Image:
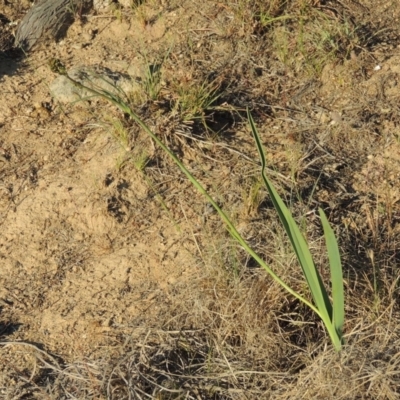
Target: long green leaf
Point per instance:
(335, 265)
(299, 244)
(301, 248)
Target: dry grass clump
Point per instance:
(222, 336)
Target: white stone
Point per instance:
(96, 78)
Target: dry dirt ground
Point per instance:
(116, 279)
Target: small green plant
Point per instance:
(152, 81)
(141, 160)
(193, 100)
(117, 11)
(266, 19)
(332, 314)
(309, 40)
(252, 197)
(120, 133)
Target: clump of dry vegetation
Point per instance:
(222, 328)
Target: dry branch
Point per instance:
(47, 18)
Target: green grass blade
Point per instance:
(335, 265)
(300, 246)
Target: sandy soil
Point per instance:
(91, 246)
(87, 243)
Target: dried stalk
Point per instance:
(47, 18)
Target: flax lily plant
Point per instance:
(332, 314)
